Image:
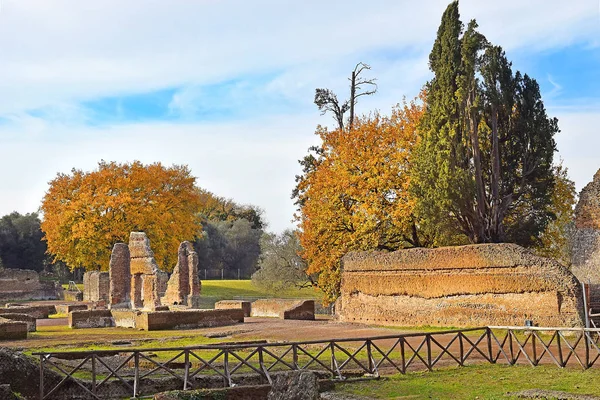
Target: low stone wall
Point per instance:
(39, 312)
(72, 295)
(28, 319)
(188, 319)
(284, 309)
(489, 284)
(12, 330)
(234, 305)
(67, 308)
(90, 319)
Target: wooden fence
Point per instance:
(96, 374)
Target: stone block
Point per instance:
(12, 330)
(28, 319)
(188, 319)
(40, 312)
(67, 308)
(91, 319)
(284, 309)
(297, 385)
(234, 304)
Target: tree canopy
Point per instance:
(484, 163)
(21, 244)
(357, 197)
(86, 213)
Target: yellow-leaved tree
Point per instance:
(86, 213)
(355, 194)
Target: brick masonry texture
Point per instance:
(120, 276)
(585, 246)
(90, 319)
(234, 304)
(96, 286)
(12, 330)
(22, 284)
(488, 284)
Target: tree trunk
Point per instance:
(352, 99)
(496, 231)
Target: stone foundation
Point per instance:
(40, 312)
(284, 309)
(12, 330)
(234, 305)
(477, 285)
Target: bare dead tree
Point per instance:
(326, 100)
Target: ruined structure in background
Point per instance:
(96, 285)
(183, 287)
(476, 285)
(24, 284)
(586, 236)
(134, 280)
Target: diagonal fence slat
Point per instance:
(370, 356)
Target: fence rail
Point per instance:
(92, 372)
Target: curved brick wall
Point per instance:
(487, 284)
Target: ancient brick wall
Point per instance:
(28, 319)
(96, 286)
(585, 242)
(489, 284)
(40, 312)
(284, 308)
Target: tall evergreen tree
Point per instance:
(484, 164)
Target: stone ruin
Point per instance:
(585, 242)
(134, 280)
(25, 284)
(475, 285)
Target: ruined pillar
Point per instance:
(585, 246)
(144, 270)
(193, 299)
(178, 285)
(120, 277)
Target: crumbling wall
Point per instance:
(187, 319)
(12, 330)
(235, 305)
(96, 286)
(585, 243)
(183, 287)
(145, 285)
(28, 319)
(90, 319)
(488, 284)
(119, 271)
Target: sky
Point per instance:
(227, 87)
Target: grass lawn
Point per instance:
(477, 382)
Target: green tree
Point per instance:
(21, 244)
(484, 163)
(280, 264)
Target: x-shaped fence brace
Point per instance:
(338, 357)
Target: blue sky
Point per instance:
(226, 87)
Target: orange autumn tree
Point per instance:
(86, 213)
(355, 195)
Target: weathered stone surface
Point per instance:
(491, 284)
(183, 287)
(22, 284)
(28, 319)
(39, 312)
(120, 276)
(295, 385)
(96, 286)
(67, 308)
(284, 309)
(142, 256)
(585, 243)
(234, 305)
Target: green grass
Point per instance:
(214, 290)
(476, 382)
